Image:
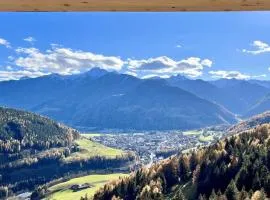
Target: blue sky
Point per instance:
(198, 45)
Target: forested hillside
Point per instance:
(35, 150)
(23, 130)
(252, 122)
(235, 168)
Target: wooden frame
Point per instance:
(134, 5)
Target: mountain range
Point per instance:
(238, 96)
(99, 99)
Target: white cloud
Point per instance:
(30, 39)
(260, 76)
(64, 60)
(207, 62)
(178, 46)
(233, 74)
(11, 58)
(228, 74)
(9, 68)
(259, 48)
(4, 43)
(164, 65)
(155, 75)
(15, 75)
(130, 73)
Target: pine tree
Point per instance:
(256, 184)
(202, 197)
(232, 191)
(213, 195)
(243, 194)
(179, 195)
(183, 169)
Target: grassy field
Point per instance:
(206, 138)
(192, 132)
(90, 149)
(62, 191)
(90, 135)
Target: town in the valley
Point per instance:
(152, 146)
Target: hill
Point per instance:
(28, 130)
(250, 123)
(35, 150)
(107, 100)
(234, 168)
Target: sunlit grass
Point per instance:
(206, 138)
(62, 191)
(192, 132)
(89, 149)
(90, 135)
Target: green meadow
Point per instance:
(192, 132)
(90, 135)
(62, 191)
(88, 149)
(206, 138)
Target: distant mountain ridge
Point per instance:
(238, 96)
(98, 99)
(261, 105)
(108, 100)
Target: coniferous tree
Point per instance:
(179, 195)
(232, 191)
(213, 195)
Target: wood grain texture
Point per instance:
(134, 5)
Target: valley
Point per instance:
(153, 146)
(241, 161)
(135, 106)
(119, 124)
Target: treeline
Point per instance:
(235, 168)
